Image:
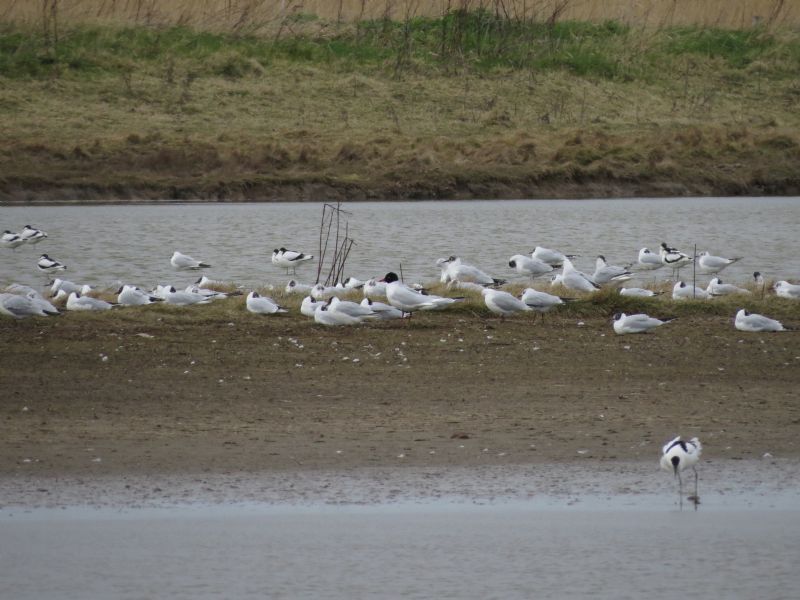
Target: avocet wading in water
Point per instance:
(679, 455)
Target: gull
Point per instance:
(454, 268)
(639, 323)
(309, 306)
(502, 303)
(557, 279)
(759, 282)
(573, 279)
(674, 258)
(551, 257)
(681, 291)
(679, 455)
(606, 273)
(34, 296)
(352, 283)
(205, 282)
(183, 261)
(130, 295)
(638, 292)
(374, 289)
(289, 259)
(321, 292)
(183, 298)
(532, 267)
(295, 287)
(747, 321)
(717, 288)
(11, 239)
(541, 302)
(708, 263)
(470, 286)
(19, 307)
(210, 294)
(383, 311)
(648, 260)
(22, 290)
(784, 289)
(352, 309)
(67, 286)
(77, 302)
(48, 265)
(407, 300)
(262, 305)
(325, 316)
(32, 235)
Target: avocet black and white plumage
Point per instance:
(717, 288)
(11, 240)
(502, 303)
(752, 322)
(576, 280)
(784, 289)
(649, 260)
(529, 266)
(184, 261)
(49, 265)
(32, 235)
(289, 259)
(708, 263)
(638, 323)
(674, 258)
(679, 455)
(606, 273)
(262, 305)
(551, 257)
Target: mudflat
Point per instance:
(160, 390)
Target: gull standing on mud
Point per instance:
(708, 263)
(752, 322)
(502, 303)
(183, 261)
(541, 302)
(679, 455)
(639, 323)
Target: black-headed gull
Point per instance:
(573, 279)
(639, 323)
(541, 302)
(717, 288)
(68, 287)
(674, 258)
(784, 289)
(551, 257)
(309, 306)
(295, 287)
(11, 239)
(683, 291)
(183, 261)
(321, 292)
(649, 260)
(374, 289)
(747, 321)
(638, 292)
(353, 309)
(383, 311)
(262, 305)
(324, 315)
(454, 269)
(708, 263)
(531, 267)
(502, 303)
(77, 302)
(18, 307)
(205, 282)
(49, 265)
(130, 295)
(32, 235)
(606, 273)
(289, 259)
(184, 298)
(404, 298)
(353, 283)
(677, 456)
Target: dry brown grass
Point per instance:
(255, 15)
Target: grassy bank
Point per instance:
(466, 105)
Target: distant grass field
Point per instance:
(469, 104)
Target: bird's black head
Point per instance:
(617, 316)
(757, 274)
(664, 245)
(746, 313)
(255, 295)
(451, 258)
(390, 277)
(275, 251)
(600, 256)
(719, 280)
(675, 460)
(512, 264)
(171, 290)
(283, 249)
(119, 291)
(683, 285)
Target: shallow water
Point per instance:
(103, 245)
(406, 551)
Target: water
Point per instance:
(405, 551)
(103, 245)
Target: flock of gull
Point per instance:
(390, 298)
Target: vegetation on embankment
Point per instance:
(470, 104)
